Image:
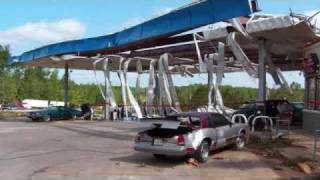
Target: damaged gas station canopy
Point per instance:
(288, 37)
(150, 34)
(208, 36)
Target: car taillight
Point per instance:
(181, 140)
(190, 150)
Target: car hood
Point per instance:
(43, 112)
(244, 110)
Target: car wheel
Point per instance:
(202, 153)
(34, 120)
(47, 119)
(160, 156)
(241, 141)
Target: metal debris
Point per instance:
(305, 168)
(193, 162)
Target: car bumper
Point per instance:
(167, 149)
(35, 116)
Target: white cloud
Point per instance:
(40, 33)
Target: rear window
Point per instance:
(298, 105)
(217, 120)
(193, 120)
(53, 108)
(247, 106)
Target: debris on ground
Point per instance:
(305, 168)
(296, 153)
(218, 158)
(142, 165)
(287, 153)
(193, 162)
(277, 168)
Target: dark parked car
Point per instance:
(11, 106)
(251, 109)
(86, 111)
(55, 113)
(297, 112)
(272, 108)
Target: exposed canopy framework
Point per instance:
(114, 53)
(186, 41)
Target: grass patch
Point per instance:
(10, 114)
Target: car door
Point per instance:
(65, 113)
(224, 130)
(53, 112)
(211, 130)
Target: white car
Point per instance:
(191, 134)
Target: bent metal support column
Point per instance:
(66, 85)
(262, 95)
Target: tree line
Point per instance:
(17, 83)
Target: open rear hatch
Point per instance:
(173, 126)
(167, 133)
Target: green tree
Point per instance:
(54, 87)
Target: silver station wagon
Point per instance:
(191, 134)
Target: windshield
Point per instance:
(193, 120)
(247, 106)
(52, 108)
(298, 105)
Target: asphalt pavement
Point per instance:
(104, 150)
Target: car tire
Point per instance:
(241, 141)
(160, 156)
(34, 120)
(203, 151)
(47, 119)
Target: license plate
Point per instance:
(157, 142)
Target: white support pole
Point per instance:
(66, 85)
(262, 73)
(107, 102)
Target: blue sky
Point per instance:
(32, 23)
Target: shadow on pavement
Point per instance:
(14, 157)
(96, 133)
(141, 159)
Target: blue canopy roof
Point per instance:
(190, 17)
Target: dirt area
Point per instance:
(285, 156)
(103, 150)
